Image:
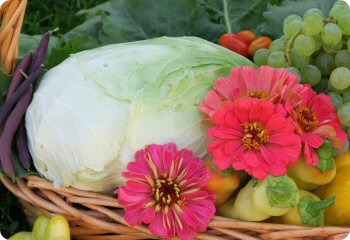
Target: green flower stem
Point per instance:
(227, 20)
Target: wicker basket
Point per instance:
(97, 216)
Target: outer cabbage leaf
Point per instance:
(92, 112)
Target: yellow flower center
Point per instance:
(307, 119)
(261, 94)
(166, 192)
(255, 134)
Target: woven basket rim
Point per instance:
(97, 216)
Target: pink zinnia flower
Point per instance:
(316, 119)
(275, 85)
(166, 189)
(253, 135)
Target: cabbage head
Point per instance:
(92, 112)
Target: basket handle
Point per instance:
(11, 15)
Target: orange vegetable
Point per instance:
(230, 41)
(247, 36)
(260, 42)
(222, 183)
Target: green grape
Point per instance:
(312, 25)
(344, 24)
(312, 60)
(331, 34)
(333, 48)
(298, 61)
(340, 78)
(295, 71)
(333, 89)
(284, 38)
(346, 95)
(304, 45)
(321, 86)
(277, 45)
(260, 56)
(338, 10)
(313, 11)
(344, 114)
(326, 63)
(277, 59)
(337, 99)
(292, 25)
(311, 75)
(318, 42)
(342, 58)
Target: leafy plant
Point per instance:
(117, 21)
(12, 218)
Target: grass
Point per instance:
(40, 17)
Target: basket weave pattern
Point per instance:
(94, 216)
(97, 216)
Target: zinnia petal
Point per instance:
(172, 184)
(276, 85)
(311, 156)
(157, 226)
(324, 123)
(269, 143)
(314, 141)
(252, 158)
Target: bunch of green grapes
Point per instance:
(316, 48)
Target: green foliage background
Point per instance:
(85, 24)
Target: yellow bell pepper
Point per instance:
(342, 160)
(339, 213)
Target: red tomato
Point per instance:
(260, 42)
(246, 35)
(230, 41)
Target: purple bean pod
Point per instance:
(41, 52)
(21, 90)
(9, 130)
(13, 111)
(22, 146)
(21, 135)
(18, 77)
